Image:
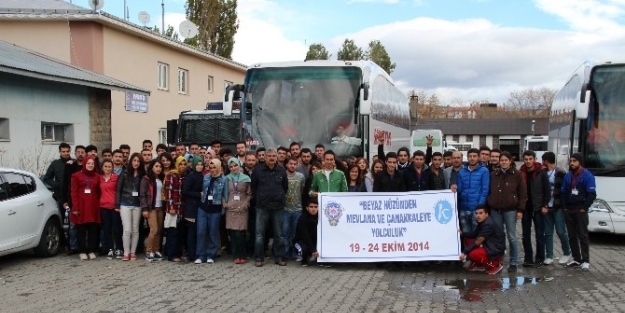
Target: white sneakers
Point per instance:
(210, 261)
(92, 256)
(83, 257)
(198, 261)
(564, 259)
(585, 266)
(548, 261)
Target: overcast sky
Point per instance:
(466, 49)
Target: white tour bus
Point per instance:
(588, 116)
(343, 105)
(538, 144)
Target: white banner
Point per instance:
(380, 227)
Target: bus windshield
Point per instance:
(605, 144)
(308, 105)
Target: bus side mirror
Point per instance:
(229, 97)
(581, 108)
(365, 100)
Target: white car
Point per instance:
(29, 217)
(604, 217)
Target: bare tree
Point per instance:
(530, 102)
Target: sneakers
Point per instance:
(133, 257)
(158, 256)
(573, 264)
(585, 266)
(467, 263)
(528, 264)
(548, 261)
(210, 261)
(126, 257)
(119, 254)
(495, 270)
(198, 261)
(281, 262)
(564, 259)
(475, 268)
(92, 256)
(297, 247)
(110, 255)
(258, 263)
(83, 256)
(512, 269)
(149, 256)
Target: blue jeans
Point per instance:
(533, 217)
(262, 219)
(508, 219)
(207, 223)
(556, 218)
(172, 244)
(111, 229)
(73, 237)
(289, 227)
(468, 223)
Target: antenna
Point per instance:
(96, 4)
(163, 16)
(187, 29)
(144, 17)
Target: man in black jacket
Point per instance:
(538, 197)
(391, 179)
(71, 167)
(55, 174)
(306, 233)
(486, 245)
(269, 187)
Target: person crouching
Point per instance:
(486, 245)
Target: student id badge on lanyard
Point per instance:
(88, 187)
(236, 196)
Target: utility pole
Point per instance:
(163, 17)
(125, 11)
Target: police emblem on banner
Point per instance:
(333, 211)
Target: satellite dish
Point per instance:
(96, 4)
(144, 17)
(187, 29)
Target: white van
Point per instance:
(419, 141)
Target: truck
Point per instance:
(204, 126)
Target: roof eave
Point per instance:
(110, 20)
(66, 80)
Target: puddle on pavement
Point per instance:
(474, 289)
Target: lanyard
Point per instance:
(235, 183)
(88, 180)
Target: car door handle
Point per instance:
(39, 203)
(12, 212)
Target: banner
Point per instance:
(383, 227)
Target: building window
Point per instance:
(4, 129)
(56, 132)
(227, 84)
(210, 84)
(183, 81)
(163, 76)
(162, 135)
(456, 138)
(469, 138)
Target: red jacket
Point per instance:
(87, 204)
(107, 191)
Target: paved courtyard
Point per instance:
(66, 284)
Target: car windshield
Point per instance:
(309, 105)
(605, 146)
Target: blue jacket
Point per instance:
(473, 187)
(220, 192)
(586, 191)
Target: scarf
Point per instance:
(238, 176)
(84, 166)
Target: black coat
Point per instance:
(306, 231)
(495, 240)
(269, 186)
(416, 182)
(192, 190)
(54, 176)
(384, 183)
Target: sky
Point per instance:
(460, 50)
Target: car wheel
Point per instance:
(50, 239)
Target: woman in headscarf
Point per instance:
(85, 212)
(192, 192)
(236, 206)
(174, 207)
(209, 214)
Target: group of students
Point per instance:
(207, 200)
